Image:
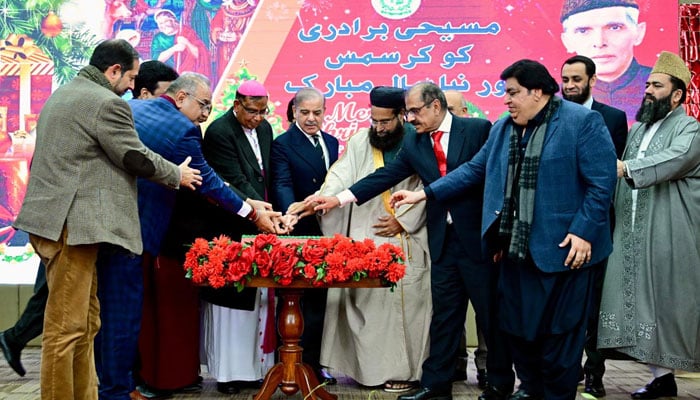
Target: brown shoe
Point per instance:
(136, 395)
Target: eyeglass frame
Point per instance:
(383, 123)
(254, 112)
(203, 105)
(416, 110)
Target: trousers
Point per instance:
(71, 319)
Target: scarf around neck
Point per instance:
(516, 217)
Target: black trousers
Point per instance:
(546, 316)
(455, 279)
(31, 322)
(595, 361)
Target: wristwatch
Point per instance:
(625, 171)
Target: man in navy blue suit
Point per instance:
(578, 77)
(549, 171)
(299, 161)
(459, 272)
(168, 125)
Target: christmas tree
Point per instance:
(36, 19)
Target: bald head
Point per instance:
(456, 103)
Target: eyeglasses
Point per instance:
(205, 106)
(416, 110)
(254, 112)
(383, 123)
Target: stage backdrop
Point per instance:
(343, 48)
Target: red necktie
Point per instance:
(439, 152)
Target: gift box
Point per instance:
(26, 76)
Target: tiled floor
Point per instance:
(621, 378)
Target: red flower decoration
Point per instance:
(318, 261)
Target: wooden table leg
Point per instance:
(290, 374)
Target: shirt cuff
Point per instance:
(244, 210)
(346, 197)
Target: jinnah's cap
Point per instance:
(571, 7)
(671, 64)
(387, 97)
(252, 88)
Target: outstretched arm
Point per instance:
(402, 197)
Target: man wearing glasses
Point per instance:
(459, 272)
(169, 125)
(239, 341)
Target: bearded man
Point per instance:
(361, 323)
(652, 275)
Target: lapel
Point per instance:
(242, 141)
(552, 125)
(457, 138)
(264, 132)
(426, 156)
(306, 151)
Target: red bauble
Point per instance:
(51, 26)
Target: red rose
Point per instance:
(263, 240)
(263, 261)
(313, 254)
(310, 271)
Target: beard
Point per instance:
(654, 110)
(388, 140)
(581, 97)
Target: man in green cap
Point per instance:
(649, 304)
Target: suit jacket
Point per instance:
(166, 130)
(575, 182)
(228, 151)
(616, 121)
(297, 172)
(83, 174)
(417, 157)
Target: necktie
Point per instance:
(317, 145)
(439, 152)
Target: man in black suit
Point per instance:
(299, 161)
(578, 79)
(459, 271)
(578, 75)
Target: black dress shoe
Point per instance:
(494, 393)
(325, 377)
(481, 378)
(227, 387)
(12, 355)
(663, 386)
(523, 395)
(249, 384)
(425, 393)
(594, 385)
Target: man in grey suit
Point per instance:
(82, 192)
